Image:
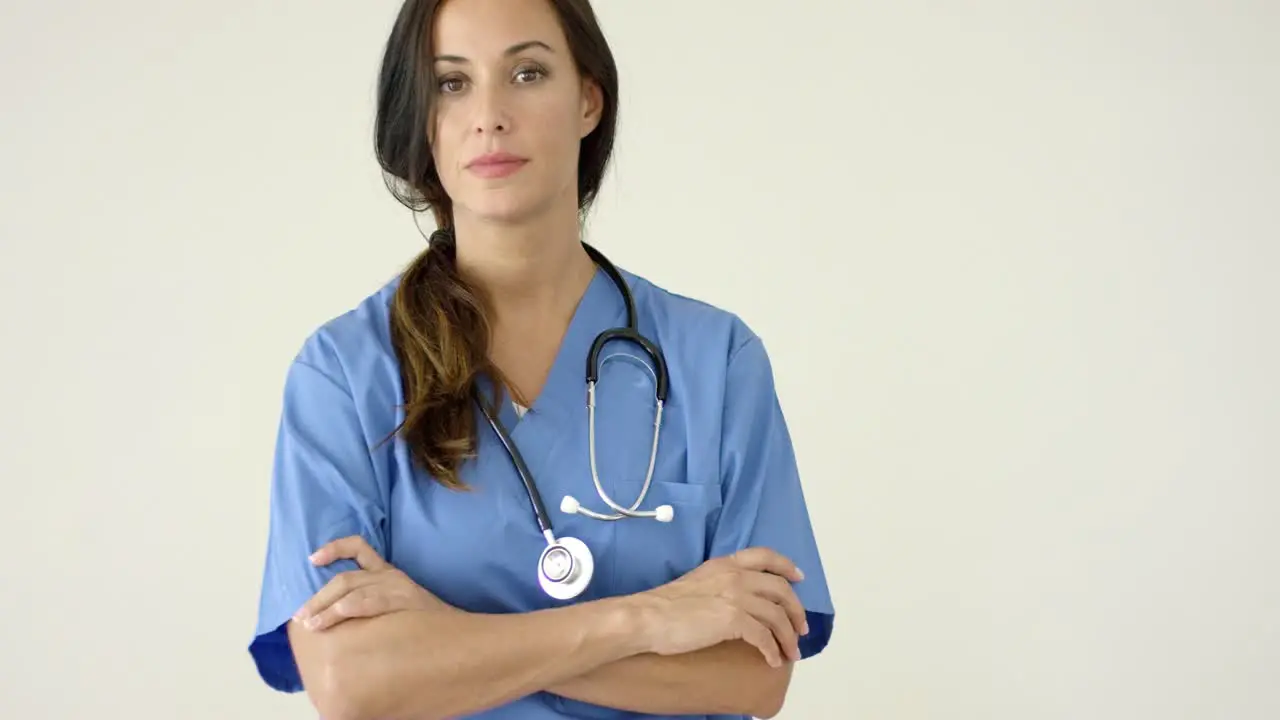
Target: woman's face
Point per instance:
(510, 109)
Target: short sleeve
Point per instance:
(764, 503)
(323, 487)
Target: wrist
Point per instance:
(638, 619)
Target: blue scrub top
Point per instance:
(725, 464)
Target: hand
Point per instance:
(745, 596)
(377, 588)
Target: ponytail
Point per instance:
(440, 332)
(439, 323)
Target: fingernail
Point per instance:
(313, 621)
(799, 574)
(804, 629)
(315, 557)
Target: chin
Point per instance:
(507, 206)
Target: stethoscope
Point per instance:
(565, 565)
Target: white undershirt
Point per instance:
(520, 409)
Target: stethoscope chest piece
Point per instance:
(565, 568)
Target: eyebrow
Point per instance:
(513, 50)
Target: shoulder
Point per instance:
(698, 325)
(354, 348)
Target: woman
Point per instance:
(407, 572)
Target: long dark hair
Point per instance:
(439, 322)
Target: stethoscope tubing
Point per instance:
(526, 477)
(628, 333)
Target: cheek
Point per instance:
(557, 128)
(446, 144)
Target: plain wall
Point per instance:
(1016, 265)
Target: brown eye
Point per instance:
(450, 85)
(529, 74)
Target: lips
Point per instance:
(496, 165)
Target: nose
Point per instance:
(492, 114)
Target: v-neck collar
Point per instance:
(565, 390)
(559, 412)
(600, 308)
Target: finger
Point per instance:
(368, 601)
(779, 591)
(754, 633)
(763, 559)
(334, 590)
(352, 547)
(775, 618)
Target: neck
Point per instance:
(534, 268)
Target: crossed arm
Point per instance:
(445, 663)
(730, 678)
(407, 654)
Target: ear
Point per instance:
(592, 107)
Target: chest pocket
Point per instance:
(643, 552)
(647, 553)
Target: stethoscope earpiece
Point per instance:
(663, 513)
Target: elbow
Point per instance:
(338, 688)
(347, 687)
(767, 709)
(334, 691)
(340, 694)
(332, 708)
(768, 706)
(772, 694)
(349, 672)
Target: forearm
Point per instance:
(730, 678)
(435, 664)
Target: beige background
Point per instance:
(1016, 264)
